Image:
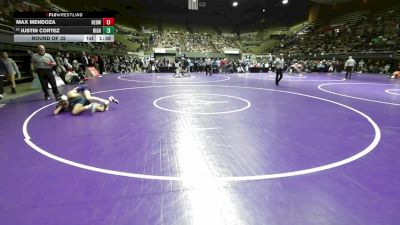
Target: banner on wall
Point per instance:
(232, 51)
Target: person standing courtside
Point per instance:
(279, 65)
(3, 72)
(12, 69)
(349, 65)
(43, 63)
(208, 66)
(84, 62)
(60, 68)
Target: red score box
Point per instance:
(108, 21)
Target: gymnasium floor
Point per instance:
(227, 149)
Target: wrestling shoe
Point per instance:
(112, 99)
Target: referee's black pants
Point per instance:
(349, 71)
(46, 76)
(208, 70)
(279, 76)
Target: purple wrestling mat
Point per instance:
(226, 149)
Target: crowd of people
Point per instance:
(224, 41)
(194, 42)
(166, 40)
(197, 42)
(335, 65)
(369, 34)
(10, 6)
(72, 68)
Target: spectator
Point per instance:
(3, 72)
(67, 65)
(84, 62)
(100, 61)
(60, 69)
(12, 70)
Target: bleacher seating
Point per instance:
(350, 18)
(360, 31)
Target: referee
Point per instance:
(349, 65)
(279, 65)
(43, 63)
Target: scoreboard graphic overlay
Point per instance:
(64, 27)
